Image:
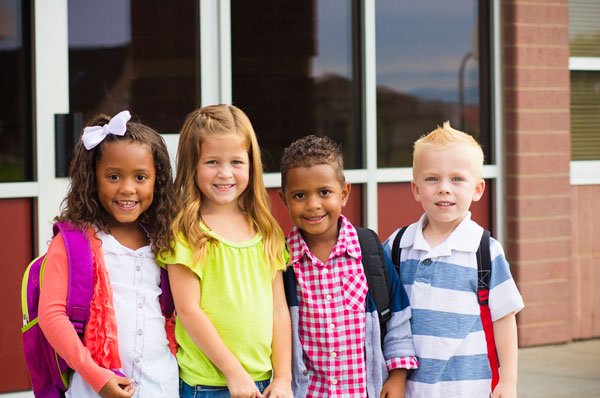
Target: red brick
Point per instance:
(537, 163)
(536, 56)
(558, 184)
(542, 120)
(532, 77)
(583, 274)
(543, 270)
(550, 311)
(538, 206)
(516, 142)
(519, 228)
(543, 13)
(536, 99)
(538, 250)
(532, 35)
(583, 236)
(531, 335)
(596, 297)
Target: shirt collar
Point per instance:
(465, 237)
(347, 242)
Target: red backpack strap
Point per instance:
(81, 274)
(484, 272)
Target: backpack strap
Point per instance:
(484, 272)
(166, 298)
(376, 272)
(81, 274)
(396, 249)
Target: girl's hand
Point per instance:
(279, 388)
(117, 387)
(242, 386)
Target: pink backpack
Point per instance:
(49, 372)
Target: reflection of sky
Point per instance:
(420, 45)
(10, 24)
(99, 23)
(334, 33)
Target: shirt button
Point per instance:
(331, 326)
(139, 332)
(140, 305)
(427, 261)
(137, 359)
(328, 297)
(325, 270)
(305, 373)
(333, 354)
(334, 381)
(137, 268)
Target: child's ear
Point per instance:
(282, 196)
(345, 193)
(415, 190)
(479, 189)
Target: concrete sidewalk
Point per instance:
(552, 371)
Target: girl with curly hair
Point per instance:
(233, 325)
(120, 196)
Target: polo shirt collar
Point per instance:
(465, 237)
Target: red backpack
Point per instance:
(49, 372)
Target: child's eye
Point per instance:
(325, 192)
(298, 196)
(431, 179)
(211, 162)
(113, 177)
(140, 177)
(457, 179)
(237, 162)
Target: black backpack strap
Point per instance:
(484, 268)
(376, 273)
(396, 249)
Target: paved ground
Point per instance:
(553, 371)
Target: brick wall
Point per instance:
(586, 261)
(537, 122)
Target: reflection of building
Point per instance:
(261, 56)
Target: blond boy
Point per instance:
(438, 268)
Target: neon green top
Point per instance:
(237, 296)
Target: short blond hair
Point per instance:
(448, 137)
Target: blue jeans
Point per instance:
(187, 391)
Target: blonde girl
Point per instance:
(233, 326)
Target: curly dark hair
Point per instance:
(82, 206)
(310, 151)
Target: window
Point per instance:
(296, 71)
(433, 65)
(16, 139)
(584, 63)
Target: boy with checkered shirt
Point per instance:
(438, 268)
(336, 344)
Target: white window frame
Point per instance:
(584, 172)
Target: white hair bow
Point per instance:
(93, 135)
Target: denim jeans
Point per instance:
(187, 391)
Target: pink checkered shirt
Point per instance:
(331, 325)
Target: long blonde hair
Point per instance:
(200, 125)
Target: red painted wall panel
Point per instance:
(16, 246)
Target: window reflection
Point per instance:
(432, 66)
(295, 72)
(136, 55)
(16, 139)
